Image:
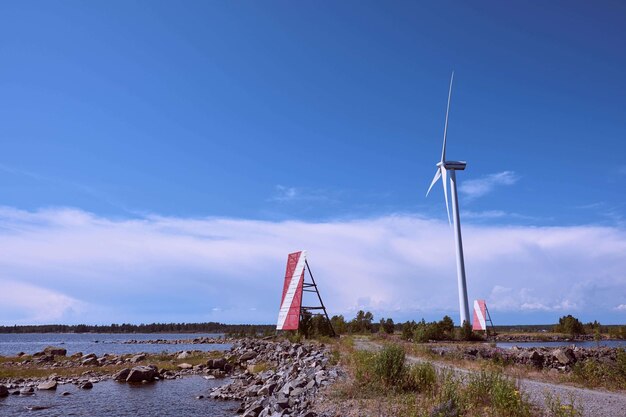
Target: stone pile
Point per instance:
(279, 378)
(561, 358)
(195, 341)
(547, 337)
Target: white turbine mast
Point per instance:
(442, 171)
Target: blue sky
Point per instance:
(115, 116)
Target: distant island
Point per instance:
(209, 327)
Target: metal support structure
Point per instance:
(460, 263)
(306, 286)
(488, 320)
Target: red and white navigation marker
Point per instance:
(289, 313)
(480, 315)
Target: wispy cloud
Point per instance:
(287, 194)
(482, 186)
(621, 307)
(72, 261)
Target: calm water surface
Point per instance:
(100, 343)
(586, 344)
(110, 398)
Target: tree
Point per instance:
(570, 325)
(466, 331)
(362, 323)
(339, 324)
(390, 326)
(408, 330)
(446, 324)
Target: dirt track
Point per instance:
(596, 403)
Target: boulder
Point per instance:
(564, 356)
(185, 366)
(47, 385)
(536, 358)
(247, 356)
(183, 355)
(85, 385)
(143, 373)
(4, 392)
(137, 358)
(217, 363)
(90, 362)
(27, 391)
(121, 375)
(55, 351)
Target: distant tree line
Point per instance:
(210, 327)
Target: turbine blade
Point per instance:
(444, 173)
(445, 129)
(437, 176)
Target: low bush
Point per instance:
(389, 365)
(592, 372)
(421, 377)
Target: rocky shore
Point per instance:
(270, 378)
(540, 337)
(279, 378)
(195, 341)
(89, 369)
(561, 358)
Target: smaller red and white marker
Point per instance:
(480, 315)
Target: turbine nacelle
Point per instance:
(455, 165)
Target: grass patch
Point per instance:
(69, 368)
(593, 373)
(420, 389)
(555, 407)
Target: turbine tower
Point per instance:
(443, 167)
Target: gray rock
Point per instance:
(143, 373)
(4, 392)
(183, 355)
(27, 391)
(564, 356)
(137, 358)
(85, 385)
(247, 356)
(90, 362)
(121, 375)
(47, 385)
(55, 351)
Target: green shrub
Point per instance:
(570, 325)
(363, 363)
(421, 377)
(389, 365)
(507, 399)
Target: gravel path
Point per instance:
(595, 403)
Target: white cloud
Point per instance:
(178, 269)
(621, 307)
(290, 194)
(26, 303)
(285, 193)
(482, 186)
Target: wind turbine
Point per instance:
(443, 167)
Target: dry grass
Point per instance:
(417, 390)
(14, 367)
(584, 378)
